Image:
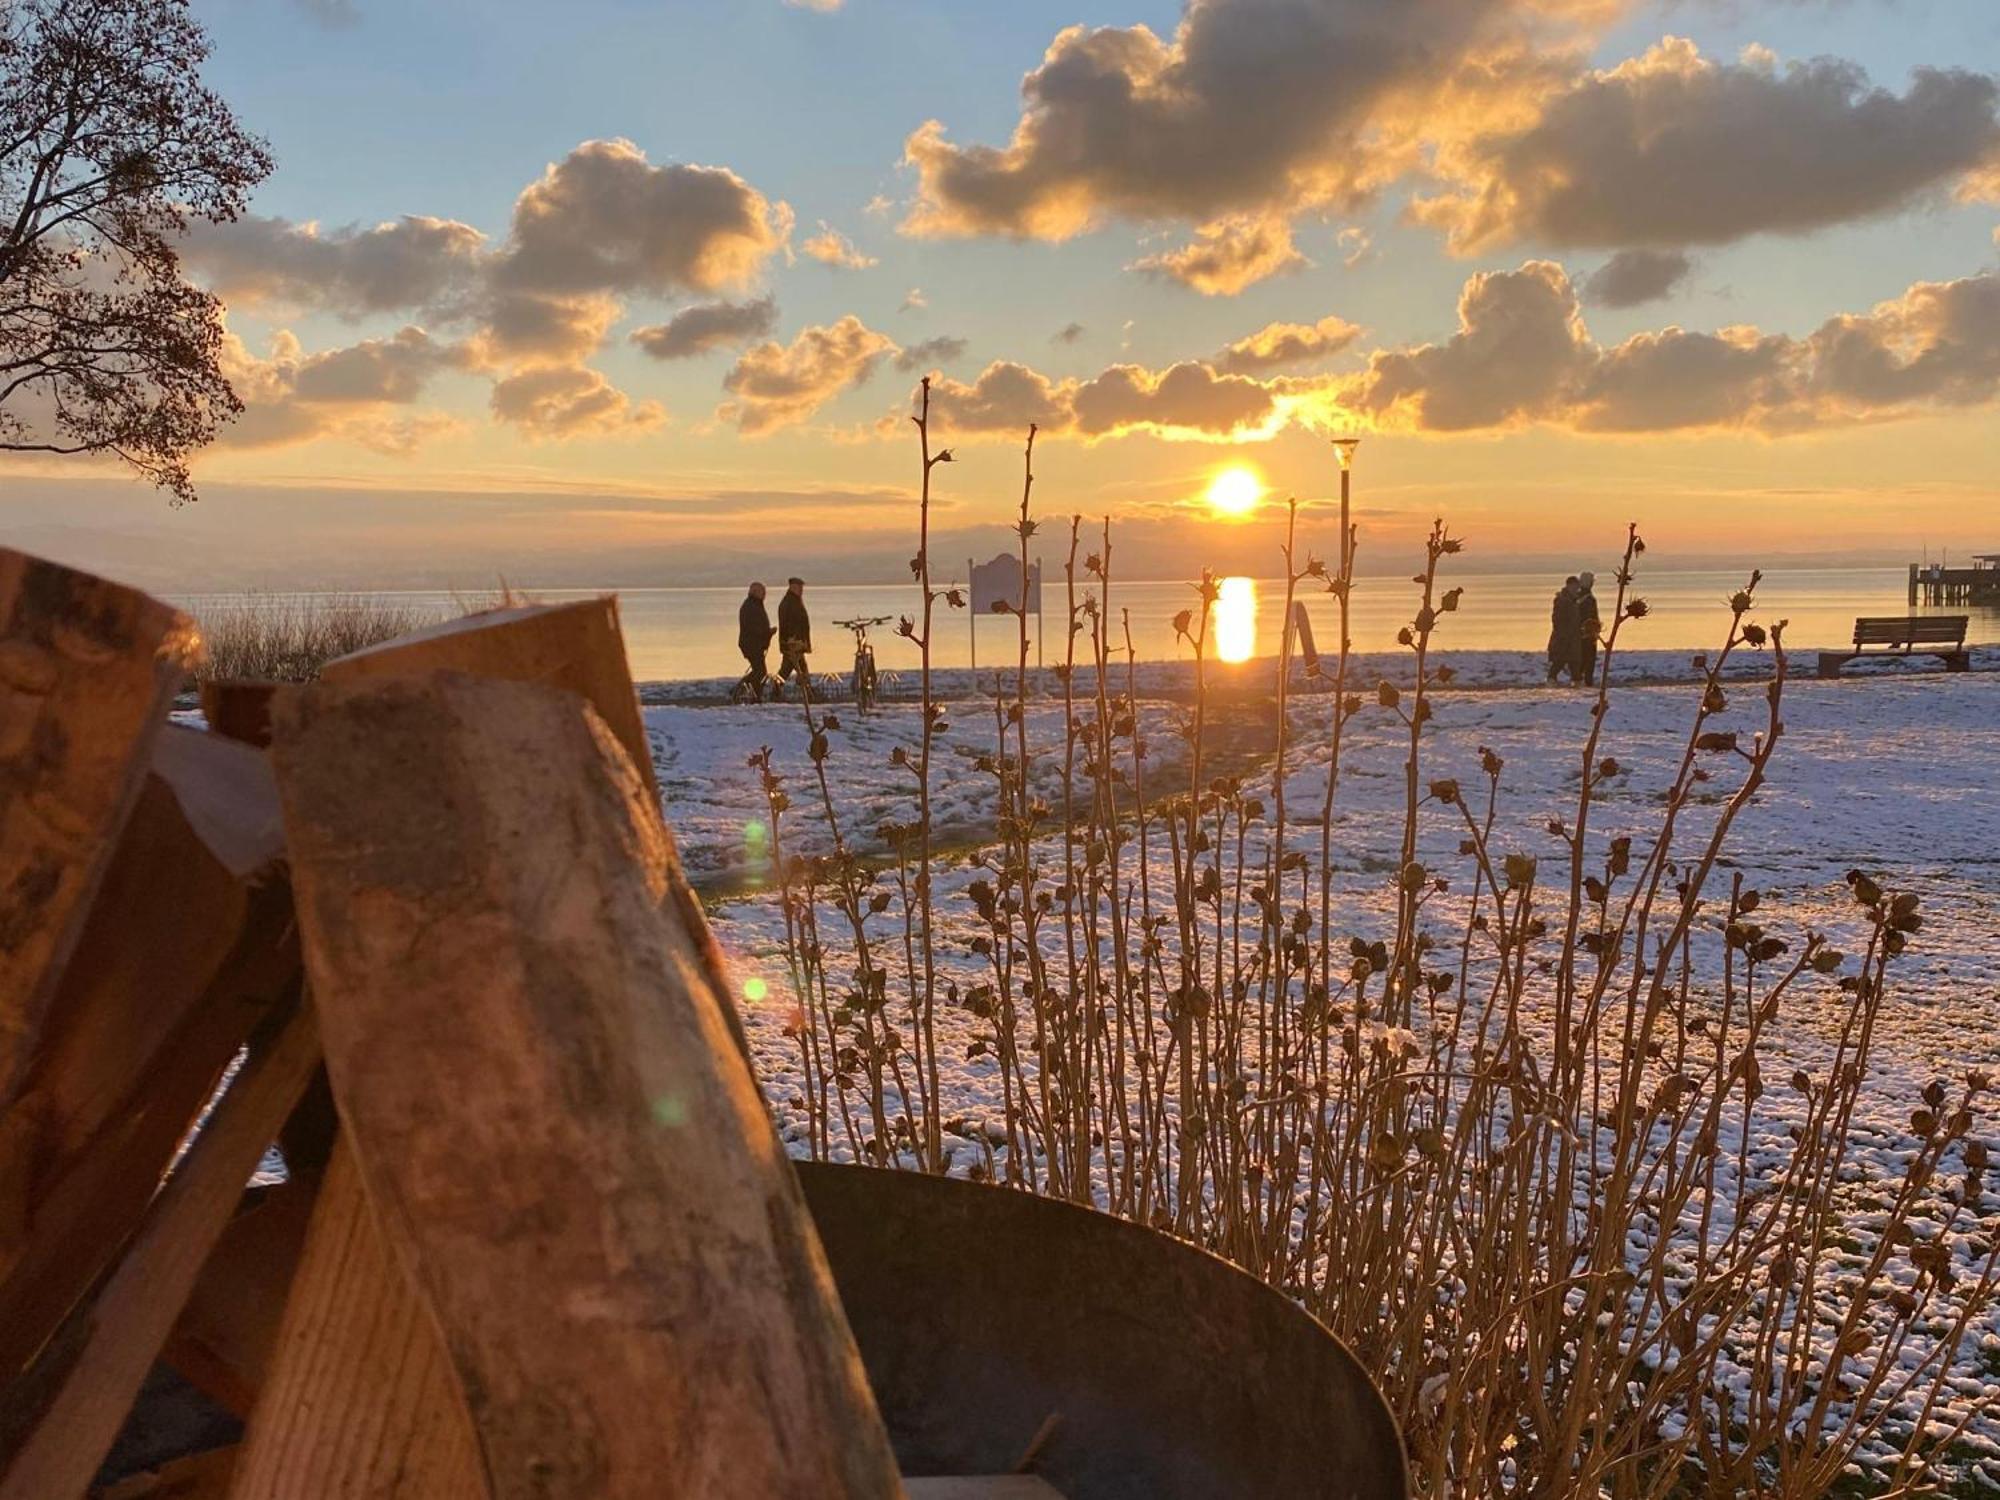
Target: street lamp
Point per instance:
(1345, 447)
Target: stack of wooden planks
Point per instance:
(533, 1234)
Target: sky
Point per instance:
(631, 292)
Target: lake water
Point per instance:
(691, 633)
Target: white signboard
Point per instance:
(999, 581)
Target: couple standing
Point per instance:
(754, 632)
(1573, 630)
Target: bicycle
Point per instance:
(863, 684)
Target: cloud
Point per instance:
(1069, 333)
(1673, 149)
(914, 300)
(1251, 107)
(1523, 355)
(779, 385)
(1185, 401)
(824, 7)
(1356, 246)
(708, 325)
(526, 328)
(597, 228)
(832, 248)
(401, 265)
(1634, 276)
(570, 401)
(931, 353)
(1004, 398)
(604, 219)
(351, 392)
(1229, 255)
(1520, 344)
(1252, 113)
(1278, 345)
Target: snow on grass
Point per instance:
(1893, 773)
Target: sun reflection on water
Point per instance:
(1236, 619)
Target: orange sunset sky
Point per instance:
(629, 293)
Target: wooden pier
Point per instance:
(1936, 586)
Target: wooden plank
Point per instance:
(199, 1476)
(117, 1336)
(223, 1340)
(595, 1205)
(184, 952)
(360, 1402)
(87, 669)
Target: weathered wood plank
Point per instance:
(187, 947)
(552, 1118)
(87, 669)
(578, 646)
(118, 1334)
(359, 1401)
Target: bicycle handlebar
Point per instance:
(860, 624)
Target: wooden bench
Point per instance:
(1942, 636)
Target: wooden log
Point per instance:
(578, 647)
(360, 1402)
(87, 669)
(82, 1391)
(314, 1398)
(550, 1114)
(188, 946)
(238, 708)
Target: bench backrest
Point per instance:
(1910, 630)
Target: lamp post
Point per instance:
(1345, 447)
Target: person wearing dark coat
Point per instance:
(1562, 631)
(795, 637)
(1588, 626)
(753, 638)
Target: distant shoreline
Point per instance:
(1471, 671)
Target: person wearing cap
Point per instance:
(1587, 627)
(753, 638)
(795, 638)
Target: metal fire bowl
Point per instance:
(982, 1313)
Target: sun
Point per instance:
(1235, 491)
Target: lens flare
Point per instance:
(1235, 491)
(1236, 619)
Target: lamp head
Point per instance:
(1345, 447)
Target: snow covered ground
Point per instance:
(1892, 771)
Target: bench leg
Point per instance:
(1830, 662)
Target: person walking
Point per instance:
(1562, 630)
(1587, 627)
(753, 638)
(795, 639)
